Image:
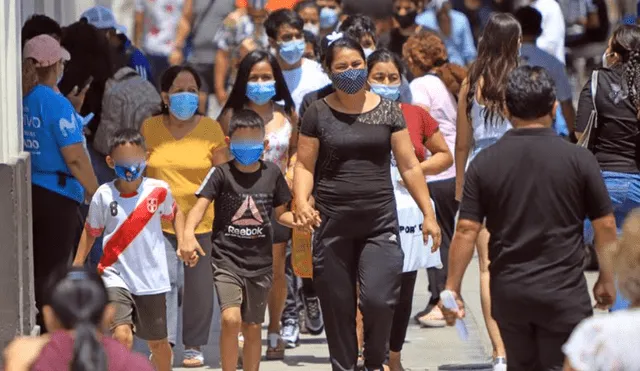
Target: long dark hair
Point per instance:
(78, 298)
(238, 97)
(91, 56)
(498, 55)
(625, 42)
(329, 50)
(169, 76)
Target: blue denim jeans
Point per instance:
(624, 190)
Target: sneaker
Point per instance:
(434, 318)
(275, 347)
(313, 315)
(290, 334)
(500, 364)
(193, 358)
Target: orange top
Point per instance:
(271, 4)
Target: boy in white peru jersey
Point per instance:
(128, 212)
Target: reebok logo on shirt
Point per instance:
(247, 221)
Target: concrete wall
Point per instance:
(17, 310)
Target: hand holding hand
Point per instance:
(306, 216)
(190, 251)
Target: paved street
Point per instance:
(425, 349)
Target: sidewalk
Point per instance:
(425, 349)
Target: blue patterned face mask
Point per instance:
(183, 105)
(292, 51)
(391, 92)
(247, 153)
(261, 92)
(328, 17)
(130, 172)
(350, 81)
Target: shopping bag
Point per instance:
(301, 253)
(417, 254)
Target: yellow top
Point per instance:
(184, 163)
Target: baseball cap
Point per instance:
(45, 50)
(102, 18)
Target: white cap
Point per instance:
(102, 18)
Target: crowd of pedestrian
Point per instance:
(225, 146)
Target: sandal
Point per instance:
(193, 358)
(275, 347)
(433, 319)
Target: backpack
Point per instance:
(128, 101)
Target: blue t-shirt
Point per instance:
(50, 123)
(138, 61)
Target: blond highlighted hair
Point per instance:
(627, 258)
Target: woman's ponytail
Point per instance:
(452, 76)
(29, 76)
(78, 298)
(88, 353)
(632, 79)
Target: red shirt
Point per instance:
(421, 127)
(58, 353)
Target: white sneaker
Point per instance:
(290, 334)
(500, 364)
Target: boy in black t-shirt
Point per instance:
(245, 190)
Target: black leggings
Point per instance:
(362, 248)
(443, 193)
(56, 224)
(403, 311)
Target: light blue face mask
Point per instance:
(391, 92)
(247, 153)
(261, 92)
(328, 17)
(60, 78)
(183, 105)
(292, 51)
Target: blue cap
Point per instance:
(102, 18)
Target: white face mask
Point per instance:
(313, 28)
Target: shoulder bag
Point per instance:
(586, 138)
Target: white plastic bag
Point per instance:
(417, 254)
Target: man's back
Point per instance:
(535, 190)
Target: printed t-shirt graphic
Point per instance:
(242, 228)
(134, 256)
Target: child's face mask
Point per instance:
(130, 172)
(247, 152)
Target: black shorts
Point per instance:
(281, 234)
(147, 314)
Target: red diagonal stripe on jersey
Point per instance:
(130, 229)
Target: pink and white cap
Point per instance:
(45, 50)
